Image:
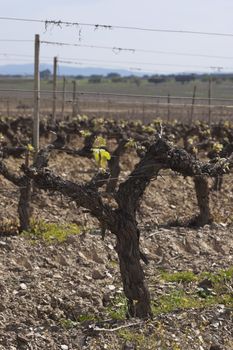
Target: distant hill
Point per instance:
(27, 69)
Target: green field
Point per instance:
(21, 102)
(222, 88)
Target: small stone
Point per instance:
(108, 274)
(129, 346)
(71, 239)
(21, 338)
(64, 347)
(97, 275)
(84, 293)
(215, 324)
(2, 307)
(111, 287)
(106, 299)
(82, 257)
(206, 284)
(23, 286)
(24, 262)
(96, 258)
(63, 261)
(88, 278)
(221, 308)
(215, 347)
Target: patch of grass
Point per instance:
(84, 318)
(183, 276)
(147, 339)
(51, 232)
(132, 336)
(179, 300)
(218, 276)
(188, 276)
(68, 323)
(118, 308)
(113, 264)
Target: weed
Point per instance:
(183, 276)
(67, 323)
(118, 308)
(51, 232)
(179, 299)
(188, 276)
(84, 318)
(132, 336)
(219, 276)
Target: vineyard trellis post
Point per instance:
(25, 191)
(157, 108)
(36, 119)
(63, 97)
(209, 98)
(193, 102)
(168, 107)
(54, 88)
(8, 108)
(143, 112)
(74, 102)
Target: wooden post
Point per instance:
(63, 97)
(109, 105)
(157, 108)
(8, 108)
(143, 112)
(168, 107)
(54, 88)
(209, 97)
(36, 120)
(74, 105)
(193, 101)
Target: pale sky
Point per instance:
(193, 15)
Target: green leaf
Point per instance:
(101, 157)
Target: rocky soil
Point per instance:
(69, 296)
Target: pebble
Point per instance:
(2, 307)
(111, 287)
(64, 347)
(23, 286)
(97, 275)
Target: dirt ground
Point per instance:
(69, 295)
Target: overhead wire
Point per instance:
(90, 93)
(17, 40)
(113, 26)
(94, 62)
(81, 61)
(119, 49)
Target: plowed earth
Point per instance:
(68, 295)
